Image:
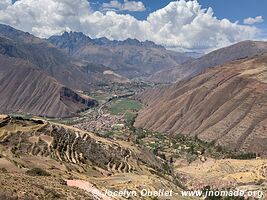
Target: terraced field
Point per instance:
(31, 147)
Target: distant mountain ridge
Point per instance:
(245, 49)
(130, 58)
(70, 40)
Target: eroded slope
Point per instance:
(227, 105)
(25, 88)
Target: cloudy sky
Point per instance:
(192, 25)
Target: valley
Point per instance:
(179, 162)
(82, 117)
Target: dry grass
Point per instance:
(226, 172)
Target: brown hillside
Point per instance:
(241, 50)
(227, 105)
(25, 88)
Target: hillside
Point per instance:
(226, 105)
(245, 49)
(130, 58)
(74, 73)
(52, 161)
(15, 43)
(25, 88)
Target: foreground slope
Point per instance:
(49, 159)
(227, 105)
(27, 89)
(130, 58)
(245, 49)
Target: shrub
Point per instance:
(37, 172)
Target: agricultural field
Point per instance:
(123, 106)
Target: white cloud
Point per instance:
(127, 5)
(250, 20)
(46, 17)
(4, 4)
(181, 24)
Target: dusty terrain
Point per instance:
(224, 173)
(40, 155)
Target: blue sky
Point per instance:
(180, 25)
(235, 10)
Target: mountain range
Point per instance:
(73, 62)
(68, 69)
(245, 49)
(118, 125)
(130, 58)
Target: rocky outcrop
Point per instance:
(68, 95)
